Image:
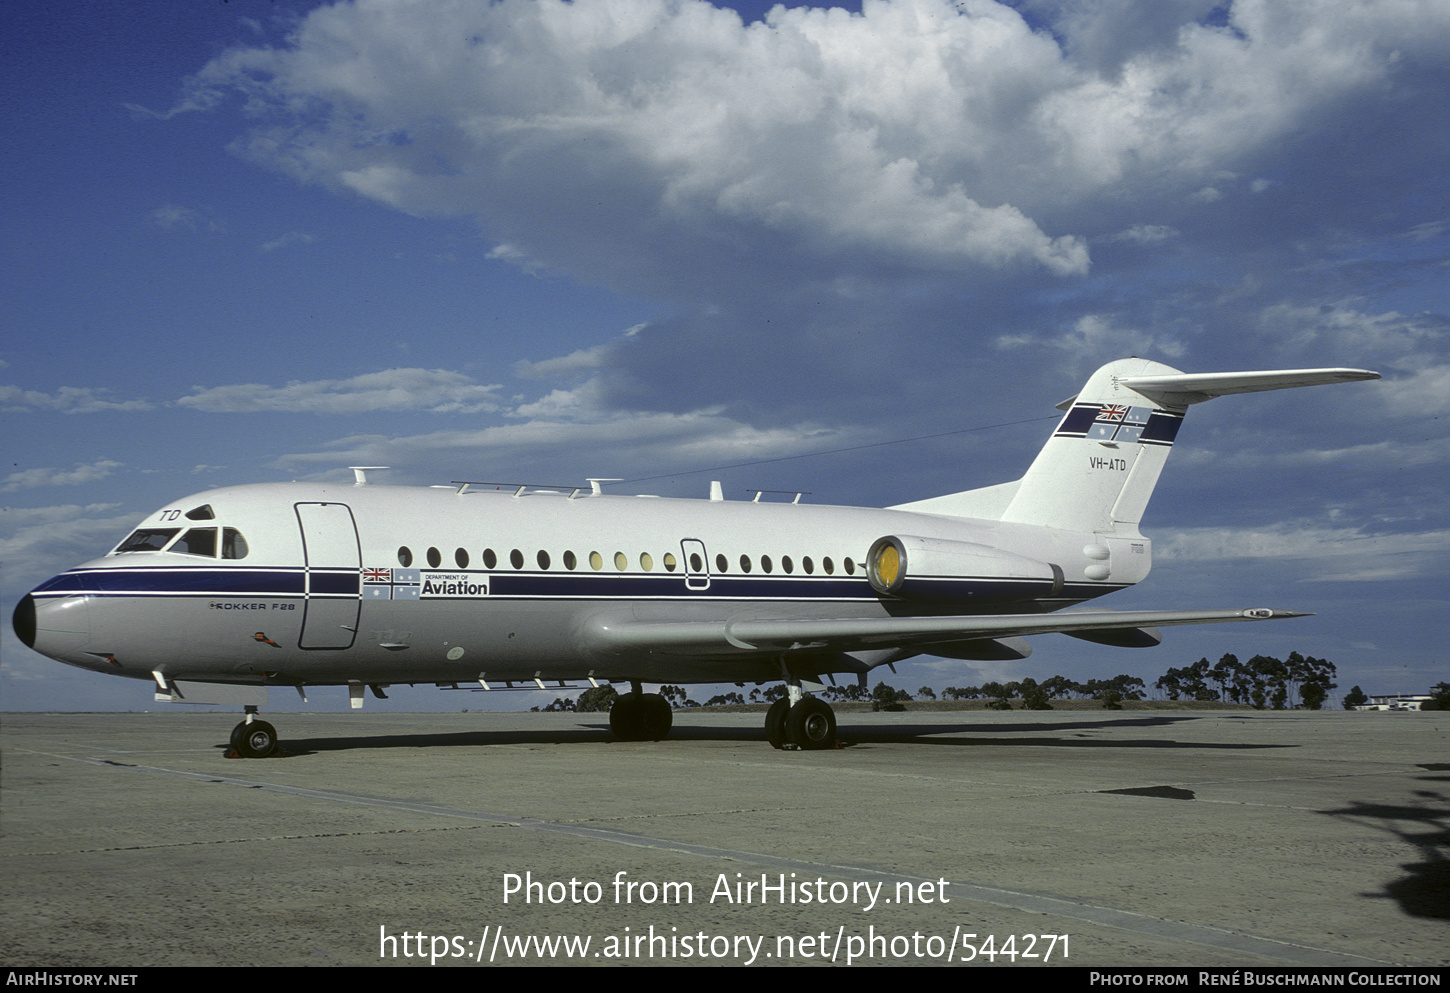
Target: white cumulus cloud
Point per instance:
(436, 390)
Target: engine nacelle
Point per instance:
(936, 570)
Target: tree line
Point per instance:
(1262, 682)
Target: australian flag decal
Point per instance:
(390, 584)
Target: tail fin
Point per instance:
(1099, 468)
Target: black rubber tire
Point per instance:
(655, 717)
(625, 717)
(775, 722)
(256, 740)
(811, 725)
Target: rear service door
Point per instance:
(697, 564)
(332, 580)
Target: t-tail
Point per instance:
(1099, 468)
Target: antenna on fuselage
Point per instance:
(716, 492)
(360, 472)
(595, 484)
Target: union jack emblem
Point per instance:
(1116, 412)
(377, 575)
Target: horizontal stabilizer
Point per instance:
(1181, 389)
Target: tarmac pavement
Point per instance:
(1020, 839)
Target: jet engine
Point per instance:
(936, 570)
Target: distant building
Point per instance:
(1402, 701)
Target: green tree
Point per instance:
(1057, 686)
(999, 696)
(1229, 675)
(597, 700)
(1034, 697)
(1355, 698)
(887, 697)
(1439, 698)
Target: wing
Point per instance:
(848, 634)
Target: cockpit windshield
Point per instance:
(196, 541)
(148, 540)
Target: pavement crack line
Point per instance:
(1222, 939)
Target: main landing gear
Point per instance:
(253, 738)
(640, 716)
(808, 724)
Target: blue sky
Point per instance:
(258, 241)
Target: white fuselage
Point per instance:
(383, 584)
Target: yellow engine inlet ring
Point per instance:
(886, 565)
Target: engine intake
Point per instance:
(937, 570)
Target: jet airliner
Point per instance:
(218, 596)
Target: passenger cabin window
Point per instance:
(461, 557)
(489, 558)
(435, 557)
(405, 556)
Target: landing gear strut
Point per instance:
(253, 738)
(639, 716)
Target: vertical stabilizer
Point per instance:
(1099, 468)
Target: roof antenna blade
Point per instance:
(360, 472)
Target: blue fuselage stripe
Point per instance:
(239, 582)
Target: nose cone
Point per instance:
(24, 620)
(57, 626)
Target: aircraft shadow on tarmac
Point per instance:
(594, 729)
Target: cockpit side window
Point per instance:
(234, 546)
(197, 541)
(148, 540)
(202, 513)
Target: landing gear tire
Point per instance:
(775, 722)
(655, 717)
(641, 717)
(256, 740)
(811, 725)
(624, 717)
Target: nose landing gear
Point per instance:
(253, 738)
